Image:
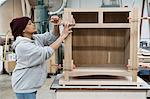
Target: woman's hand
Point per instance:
(58, 21)
(64, 31)
(67, 30)
(55, 20)
(66, 26)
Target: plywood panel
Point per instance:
(125, 81)
(115, 17)
(85, 17)
(99, 46)
(127, 46)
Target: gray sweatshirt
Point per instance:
(31, 68)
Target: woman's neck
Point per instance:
(27, 35)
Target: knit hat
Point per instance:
(17, 26)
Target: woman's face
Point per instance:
(30, 28)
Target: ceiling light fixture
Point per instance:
(2, 2)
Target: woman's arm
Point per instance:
(67, 30)
(56, 31)
(49, 37)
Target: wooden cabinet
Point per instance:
(103, 42)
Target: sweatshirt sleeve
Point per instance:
(47, 38)
(34, 55)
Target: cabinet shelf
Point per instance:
(105, 25)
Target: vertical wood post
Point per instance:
(134, 42)
(67, 48)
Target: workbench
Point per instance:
(97, 92)
(103, 43)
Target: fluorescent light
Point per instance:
(2, 1)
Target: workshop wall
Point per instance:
(9, 10)
(12, 8)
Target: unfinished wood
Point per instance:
(101, 70)
(85, 17)
(99, 16)
(99, 9)
(68, 47)
(102, 44)
(134, 39)
(115, 17)
(97, 46)
(127, 46)
(101, 25)
(67, 50)
(10, 66)
(125, 81)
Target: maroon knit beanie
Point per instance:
(17, 26)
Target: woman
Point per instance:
(32, 51)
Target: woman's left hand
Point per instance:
(55, 20)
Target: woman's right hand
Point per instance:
(68, 25)
(67, 30)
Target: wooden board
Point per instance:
(101, 70)
(99, 46)
(134, 42)
(9, 66)
(106, 25)
(115, 17)
(125, 81)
